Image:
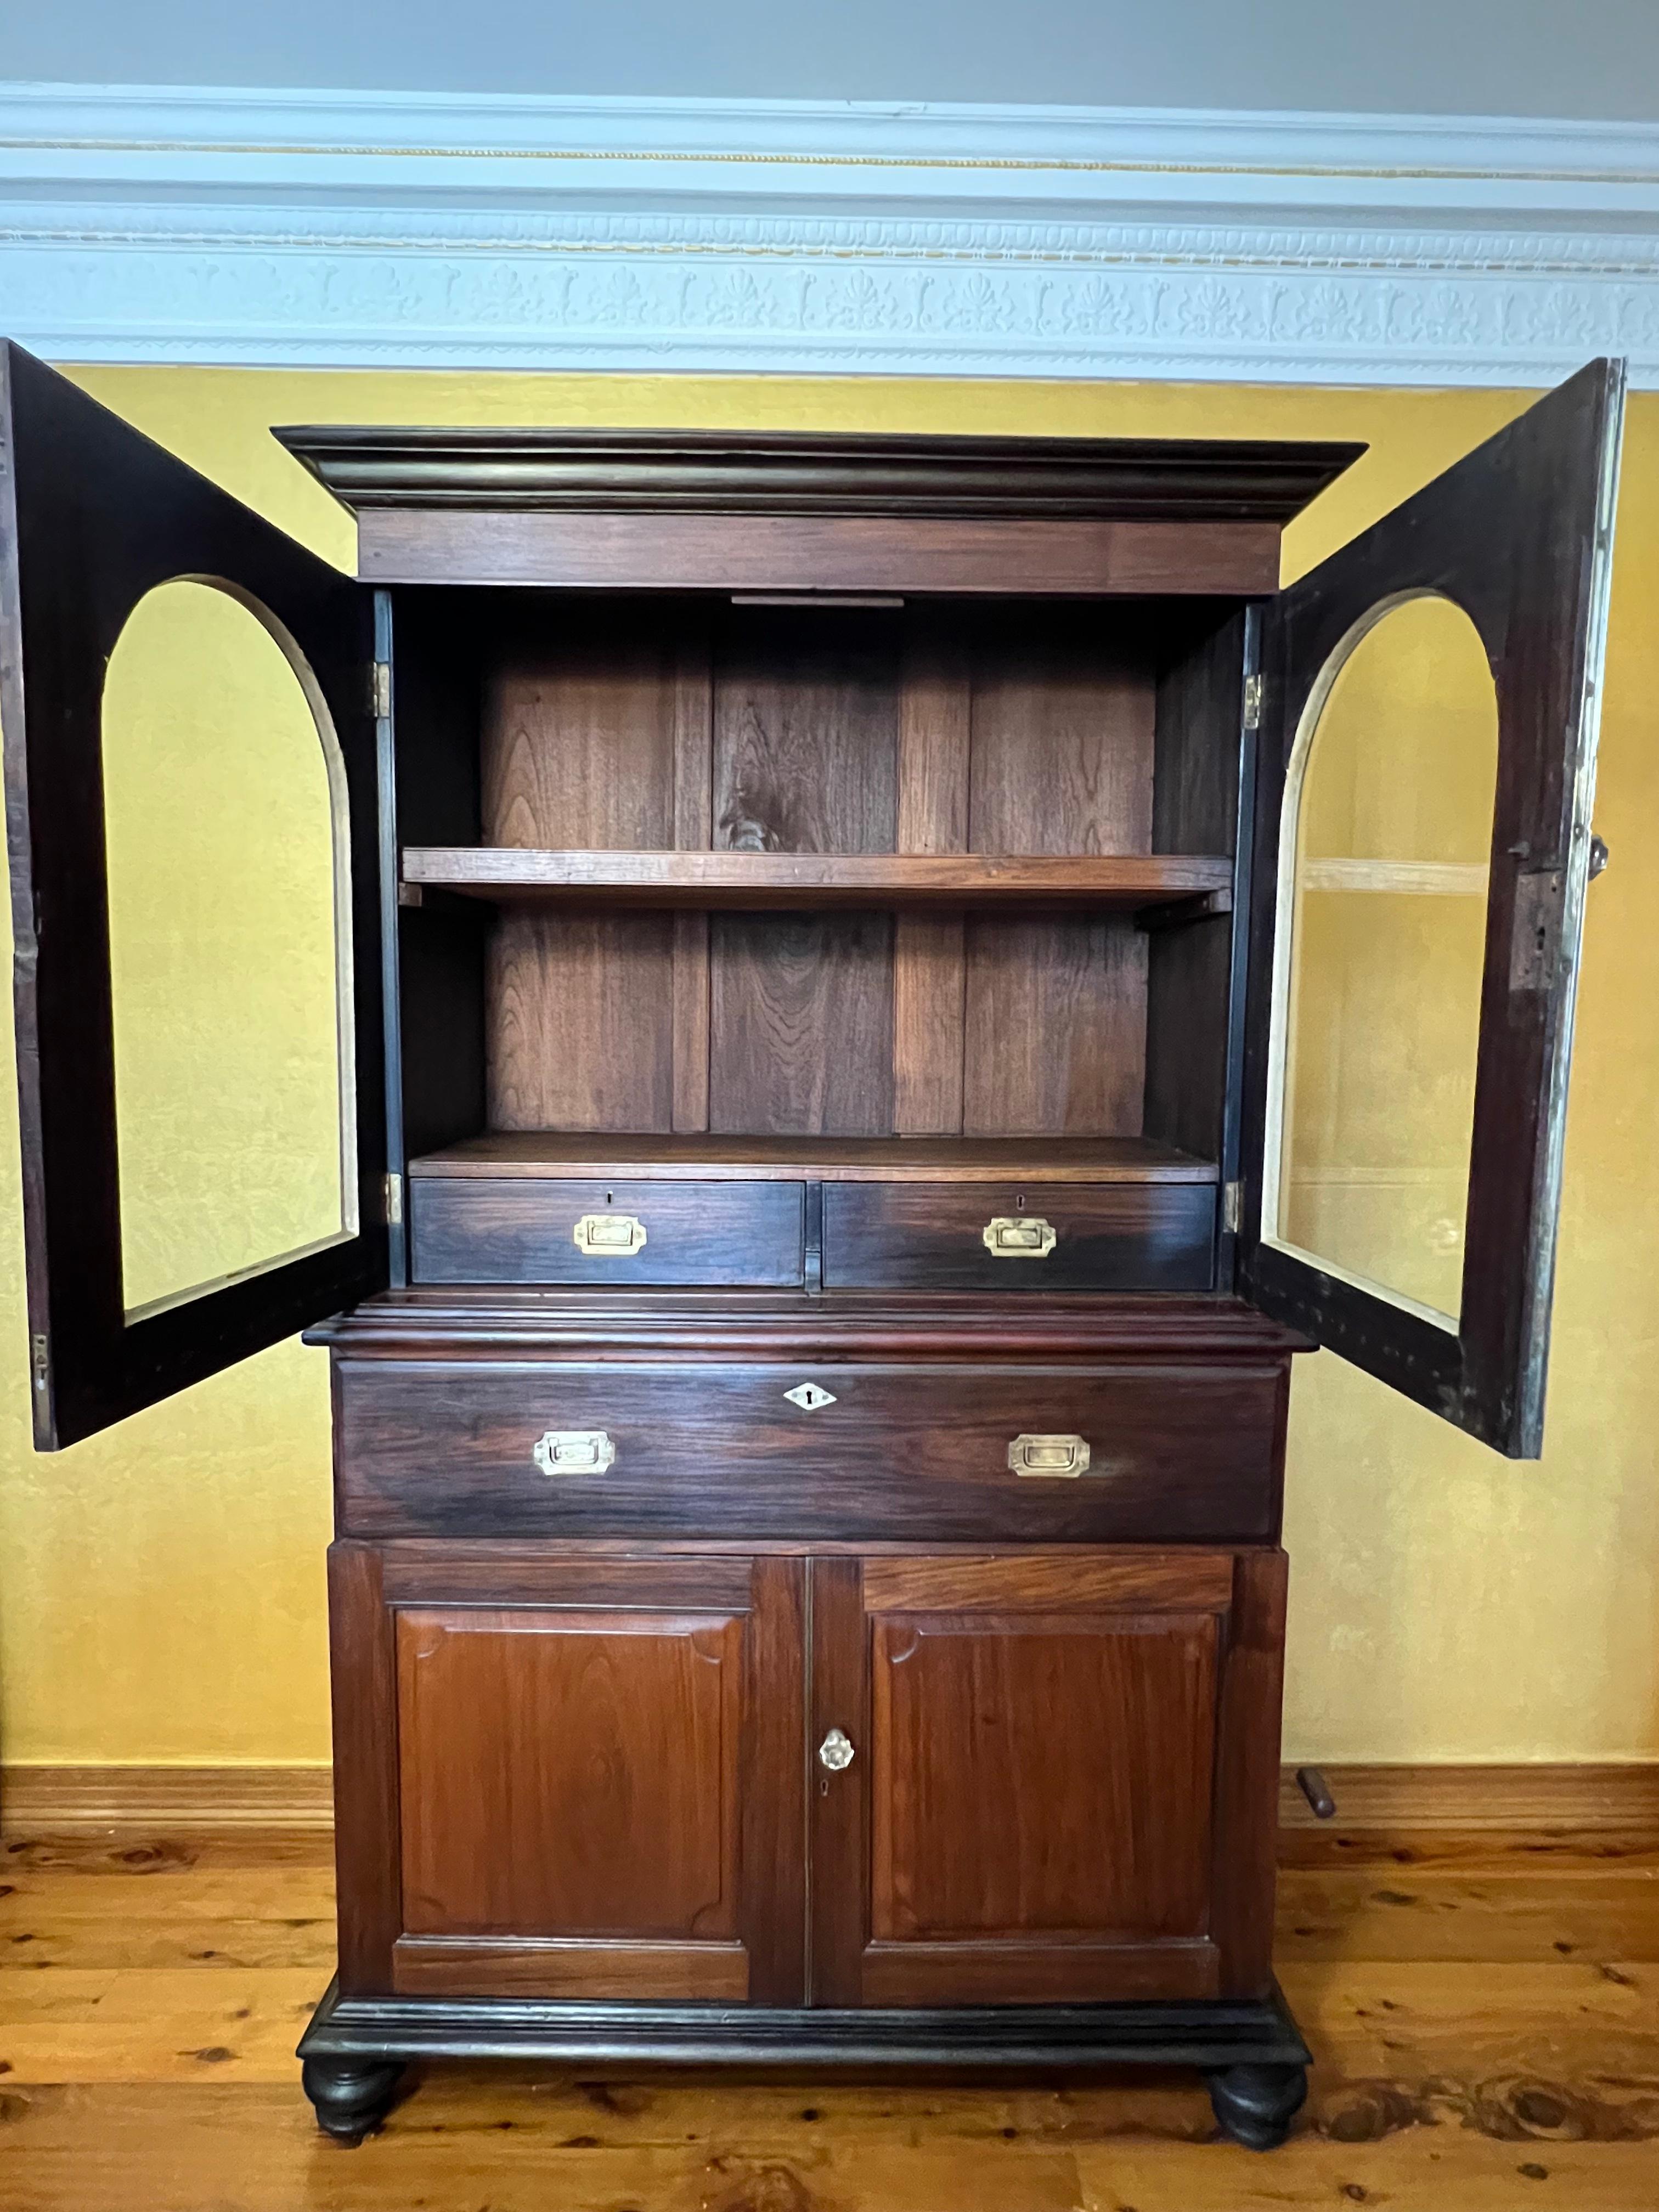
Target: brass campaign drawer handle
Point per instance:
(574, 1451)
(1051, 1456)
(1018, 1236)
(610, 1236)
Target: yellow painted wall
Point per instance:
(162, 1589)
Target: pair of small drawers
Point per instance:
(1157, 1450)
(875, 1236)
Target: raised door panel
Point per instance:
(588, 1767)
(1031, 1813)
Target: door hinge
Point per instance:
(394, 1201)
(1253, 702)
(40, 1360)
(383, 690)
(1232, 1207)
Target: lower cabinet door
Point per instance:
(568, 1779)
(1049, 1777)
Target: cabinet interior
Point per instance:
(1091, 1015)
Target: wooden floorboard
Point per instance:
(1484, 2008)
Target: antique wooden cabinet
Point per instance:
(859, 1080)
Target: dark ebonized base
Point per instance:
(1251, 2052)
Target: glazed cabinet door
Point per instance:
(1421, 853)
(1048, 1777)
(191, 784)
(568, 1780)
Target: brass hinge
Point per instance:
(40, 1359)
(383, 690)
(1253, 702)
(394, 1201)
(1232, 1207)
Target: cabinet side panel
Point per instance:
(1195, 810)
(364, 1686)
(1247, 1775)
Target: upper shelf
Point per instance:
(816, 879)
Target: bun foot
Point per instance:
(350, 2095)
(1255, 2104)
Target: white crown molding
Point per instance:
(351, 230)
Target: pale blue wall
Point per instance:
(1567, 58)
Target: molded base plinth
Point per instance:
(1250, 2050)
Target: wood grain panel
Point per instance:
(1063, 720)
(657, 1973)
(509, 1720)
(838, 1834)
(1247, 1767)
(775, 1815)
(363, 1684)
(806, 734)
(581, 1021)
(693, 832)
(801, 1024)
(578, 734)
(1040, 1775)
(1054, 1027)
(935, 715)
(587, 735)
(1058, 1971)
(1052, 1581)
(1061, 763)
(856, 553)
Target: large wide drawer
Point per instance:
(506, 1229)
(1153, 1451)
(1035, 1236)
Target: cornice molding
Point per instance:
(330, 229)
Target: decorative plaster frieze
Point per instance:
(339, 231)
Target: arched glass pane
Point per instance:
(231, 1088)
(1387, 837)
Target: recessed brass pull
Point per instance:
(1050, 1455)
(574, 1451)
(1018, 1236)
(610, 1236)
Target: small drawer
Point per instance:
(525, 1228)
(1154, 1451)
(1031, 1237)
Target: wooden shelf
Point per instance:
(815, 879)
(548, 1152)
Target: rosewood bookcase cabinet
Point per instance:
(861, 1082)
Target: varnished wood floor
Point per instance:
(1484, 2010)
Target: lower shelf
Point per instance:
(1251, 2051)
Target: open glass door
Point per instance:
(189, 765)
(1422, 847)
